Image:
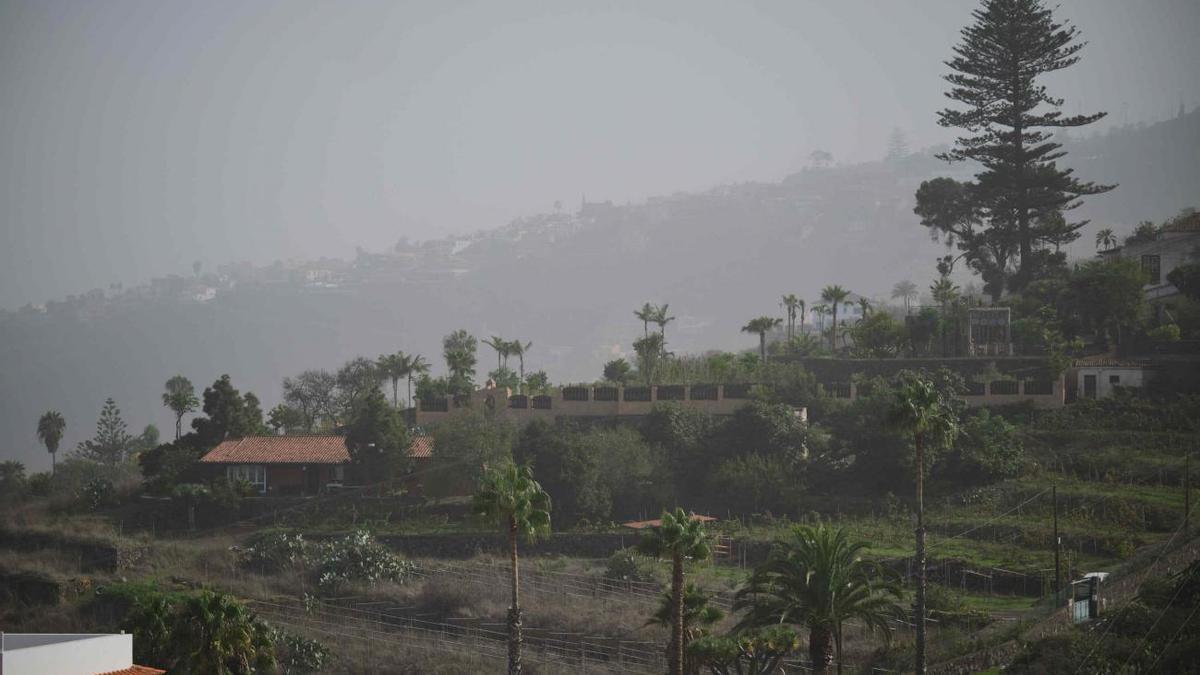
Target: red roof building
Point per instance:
(283, 465)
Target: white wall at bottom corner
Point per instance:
(82, 656)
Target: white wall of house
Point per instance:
(65, 654)
(1168, 251)
(1110, 377)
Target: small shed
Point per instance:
(1086, 600)
(1098, 377)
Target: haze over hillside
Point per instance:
(566, 280)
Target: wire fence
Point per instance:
(365, 619)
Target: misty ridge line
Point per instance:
(456, 243)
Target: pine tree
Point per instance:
(112, 439)
(1008, 215)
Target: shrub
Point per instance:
(298, 654)
(275, 551)
(1167, 332)
(358, 557)
(628, 565)
(97, 493)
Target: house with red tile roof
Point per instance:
(282, 465)
(292, 465)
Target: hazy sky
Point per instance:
(137, 137)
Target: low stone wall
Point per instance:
(28, 589)
(94, 554)
(580, 545)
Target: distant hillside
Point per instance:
(566, 281)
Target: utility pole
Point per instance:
(1187, 492)
(1057, 547)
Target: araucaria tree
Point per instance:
(180, 397)
(50, 432)
(678, 537)
(1008, 216)
(925, 414)
(112, 441)
(510, 496)
(761, 326)
(817, 579)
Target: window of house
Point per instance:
(1152, 265)
(254, 474)
(339, 473)
(1114, 379)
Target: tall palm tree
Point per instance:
(393, 367)
(180, 397)
(803, 309)
(922, 412)
(762, 325)
(834, 295)
(791, 303)
(510, 496)
(519, 349)
(1105, 239)
(906, 290)
(646, 314)
(662, 319)
(50, 432)
(817, 578)
(678, 537)
(502, 349)
(821, 310)
(864, 306)
(417, 366)
(698, 617)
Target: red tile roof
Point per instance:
(644, 524)
(421, 447)
(135, 670)
(280, 450)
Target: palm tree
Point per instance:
(417, 366)
(502, 349)
(215, 633)
(922, 412)
(817, 578)
(802, 312)
(906, 290)
(50, 432)
(509, 495)
(661, 318)
(649, 350)
(1105, 239)
(791, 303)
(762, 325)
(180, 397)
(647, 314)
(393, 367)
(864, 305)
(518, 349)
(821, 311)
(834, 295)
(698, 617)
(678, 536)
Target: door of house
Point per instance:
(313, 480)
(1089, 386)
